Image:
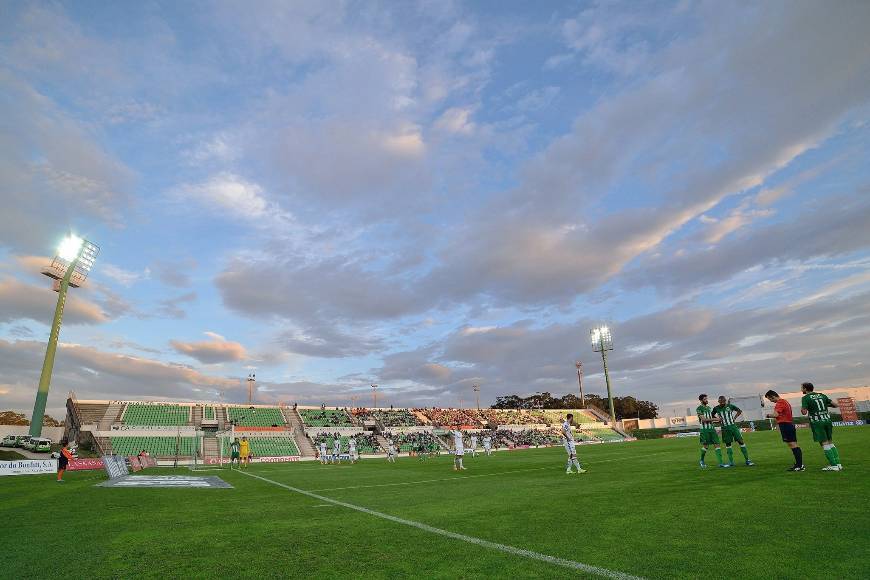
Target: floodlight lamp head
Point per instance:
(601, 338)
(70, 247)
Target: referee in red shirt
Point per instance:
(783, 415)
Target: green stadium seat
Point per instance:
(256, 417)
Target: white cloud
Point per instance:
(123, 277)
(456, 120)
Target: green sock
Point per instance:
(703, 453)
(719, 455)
(829, 453)
(836, 455)
(745, 452)
(730, 455)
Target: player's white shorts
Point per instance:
(460, 452)
(570, 448)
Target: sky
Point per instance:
(431, 195)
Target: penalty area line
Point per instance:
(523, 553)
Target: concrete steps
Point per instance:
(111, 416)
(303, 443)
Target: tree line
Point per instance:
(13, 418)
(624, 407)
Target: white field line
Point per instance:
(587, 568)
(459, 477)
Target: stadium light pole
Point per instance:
(579, 366)
(75, 258)
(476, 389)
(375, 395)
(602, 341)
(252, 384)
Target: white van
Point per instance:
(9, 441)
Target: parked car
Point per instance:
(9, 441)
(39, 444)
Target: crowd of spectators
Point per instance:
(416, 441)
(365, 442)
(391, 418)
(513, 417)
(530, 437)
(325, 418)
(452, 417)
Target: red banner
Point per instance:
(80, 464)
(847, 409)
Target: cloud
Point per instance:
(455, 120)
(123, 277)
(741, 118)
(229, 194)
(171, 307)
(214, 351)
(835, 228)
(51, 168)
(665, 355)
(20, 301)
(92, 373)
(176, 274)
(329, 342)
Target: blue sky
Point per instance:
(432, 195)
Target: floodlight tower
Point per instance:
(579, 366)
(476, 389)
(602, 341)
(375, 395)
(75, 258)
(252, 384)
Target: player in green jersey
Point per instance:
(708, 431)
(816, 406)
(729, 414)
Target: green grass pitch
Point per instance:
(644, 509)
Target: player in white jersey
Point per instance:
(324, 458)
(351, 450)
(474, 445)
(391, 451)
(336, 451)
(570, 446)
(487, 445)
(458, 450)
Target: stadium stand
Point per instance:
(606, 435)
(391, 418)
(325, 418)
(208, 413)
(156, 446)
(406, 442)
(452, 417)
(255, 417)
(267, 446)
(145, 415)
(365, 442)
(530, 437)
(512, 417)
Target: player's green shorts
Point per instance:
(822, 431)
(234, 456)
(709, 437)
(731, 433)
